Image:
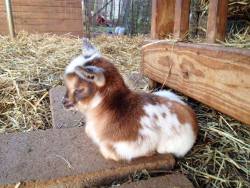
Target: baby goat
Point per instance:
(123, 123)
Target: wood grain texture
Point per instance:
(49, 3)
(162, 22)
(42, 9)
(211, 74)
(217, 20)
(45, 16)
(3, 22)
(181, 18)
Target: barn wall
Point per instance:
(43, 16)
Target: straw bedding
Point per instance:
(32, 64)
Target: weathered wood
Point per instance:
(49, 15)
(42, 9)
(49, 3)
(217, 20)
(181, 20)
(10, 20)
(167, 181)
(44, 16)
(162, 22)
(214, 75)
(64, 158)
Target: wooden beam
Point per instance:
(217, 20)
(181, 20)
(10, 18)
(45, 16)
(214, 75)
(162, 22)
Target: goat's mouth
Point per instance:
(68, 105)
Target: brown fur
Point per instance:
(74, 83)
(185, 114)
(118, 116)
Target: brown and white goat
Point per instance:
(123, 123)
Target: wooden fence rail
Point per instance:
(210, 73)
(44, 16)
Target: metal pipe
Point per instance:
(10, 18)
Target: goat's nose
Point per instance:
(67, 103)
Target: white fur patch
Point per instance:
(80, 61)
(95, 101)
(161, 132)
(90, 130)
(177, 144)
(173, 137)
(141, 147)
(169, 95)
(91, 121)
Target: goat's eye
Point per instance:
(79, 94)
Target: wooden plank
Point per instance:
(32, 158)
(217, 20)
(166, 181)
(211, 74)
(181, 20)
(162, 22)
(10, 18)
(43, 25)
(3, 23)
(42, 16)
(42, 9)
(49, 15)
(49, 3)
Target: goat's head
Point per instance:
(83, 86)
(88, 78)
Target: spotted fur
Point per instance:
(125, 124)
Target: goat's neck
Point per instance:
(111, 103)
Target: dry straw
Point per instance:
(32, 64)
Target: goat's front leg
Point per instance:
(109, 152)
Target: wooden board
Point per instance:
(217, 20)
(214, 75)
(44, 16)
(181, 21)
(49, 3)
(162, 22)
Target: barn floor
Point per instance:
(32, 64)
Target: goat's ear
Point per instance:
(91, 73)
(88, 50)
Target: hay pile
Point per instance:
(29, 67)
(32, 64)
(238, 18)
(221, 155)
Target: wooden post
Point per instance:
(162, 22)
(10, 18)
(217, 20)
(181, 19)
(86, 27)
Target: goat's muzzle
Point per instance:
(67, 103)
